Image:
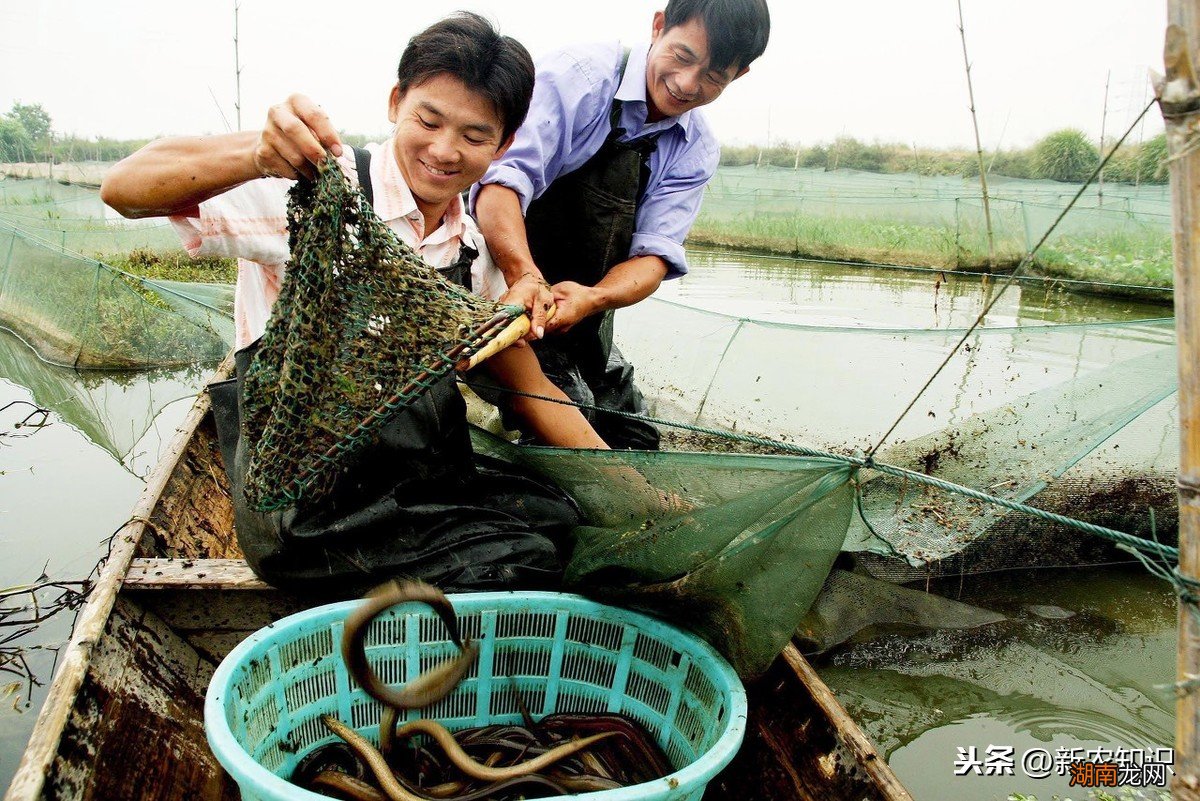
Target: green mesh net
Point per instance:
(1079, 419)
(61, 296)
(938, 220)
(78, 312)
(363, 326)
(733, 547)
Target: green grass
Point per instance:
(173, 265)
(1120, 257)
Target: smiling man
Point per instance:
(417, 502)
(589, 208)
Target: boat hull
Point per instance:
(124, 716)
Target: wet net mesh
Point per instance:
(362, 327)
(733, 547)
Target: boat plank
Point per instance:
(136, 729)
(192, 574)
(851, 735)
(802, 745)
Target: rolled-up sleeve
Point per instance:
(565, 114)
(671, 205)
(248, 222)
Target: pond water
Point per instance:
(65, 487)
(785, 290)
(1087, 675)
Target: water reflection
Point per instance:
(64, 489)
(1097, 675)
(112, 410)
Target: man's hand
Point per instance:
(532, 292)
(574, 302)
(295, 139)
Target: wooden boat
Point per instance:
(124, 715)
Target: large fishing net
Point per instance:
(362, 327)
(1077, 418)
(734, 547)
(1080, 418)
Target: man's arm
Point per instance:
(502, 224)
(625, 284)
(173, 176)
(516, 368)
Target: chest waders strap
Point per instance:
(460, 271)
(362, 163)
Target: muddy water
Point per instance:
(1087, 674)
(1084, 661)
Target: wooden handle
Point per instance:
(518, 328)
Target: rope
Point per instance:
(1187, 589)
(868, 462)
(1028, 258)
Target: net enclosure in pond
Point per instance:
(939, 220)
(59, 294)
(1078, 418)
(76, 311)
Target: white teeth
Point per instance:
(436, 171)
(677, 97)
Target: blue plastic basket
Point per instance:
(565, 654)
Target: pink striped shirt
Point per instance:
(249, 223)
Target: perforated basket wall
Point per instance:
(565, 653)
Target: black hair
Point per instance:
(737, 29)
(468, 47)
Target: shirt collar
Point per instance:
(632, 89)
(393, 198)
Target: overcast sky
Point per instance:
(874, 69)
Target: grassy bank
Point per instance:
(173, 265)
(1114, 258)
(1140, 258)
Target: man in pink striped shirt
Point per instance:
(417, 502)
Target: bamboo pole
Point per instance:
(237, 66)
(987, 210)
(1179, 97)
(1103, 124)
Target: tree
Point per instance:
(15, 144)
(1065, 155)
(33, 119)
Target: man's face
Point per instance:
(445, 138)
(678, 75)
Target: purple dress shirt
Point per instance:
(568, 121)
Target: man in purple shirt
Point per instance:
(588, 210)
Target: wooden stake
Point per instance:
(1179, 97)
